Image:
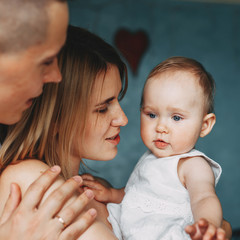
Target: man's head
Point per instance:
(24, 23)
(31, 35)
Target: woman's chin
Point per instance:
(107, 157)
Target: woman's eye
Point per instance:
(103, 110)
(176, 118)
(151, 115)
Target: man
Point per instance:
(31, 35)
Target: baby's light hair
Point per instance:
(204, 78)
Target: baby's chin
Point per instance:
(162, 153)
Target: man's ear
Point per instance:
(208, 122)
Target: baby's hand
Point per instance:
(100, 187)
(203, 230)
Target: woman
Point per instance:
(93, 82)
(79, 118)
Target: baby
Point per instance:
(171, 192)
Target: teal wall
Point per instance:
(207, 32)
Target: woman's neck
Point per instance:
(75, 164)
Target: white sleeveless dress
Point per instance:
(156, 205)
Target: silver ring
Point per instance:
(61, 221)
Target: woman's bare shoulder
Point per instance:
(100, 230)
(101, 227)
(102, 212)
(23, 173)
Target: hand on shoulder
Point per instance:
(33, 221)
(23, 173)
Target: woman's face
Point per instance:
(104, 119)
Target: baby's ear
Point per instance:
(207, 125)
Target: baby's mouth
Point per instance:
(159, 143)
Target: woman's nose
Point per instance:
(120, 118)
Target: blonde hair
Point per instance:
(204, 78)
(64, 106)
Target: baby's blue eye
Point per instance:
(176, 118)
(151, 115)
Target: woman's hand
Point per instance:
(25, 220)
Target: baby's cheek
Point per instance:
(184, 145)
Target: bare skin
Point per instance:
(23, 75)
(15, 211)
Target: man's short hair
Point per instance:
(23, 23)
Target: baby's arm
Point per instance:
(103, 190)
(198, 178)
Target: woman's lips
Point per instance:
(160, 144)
(114, 140)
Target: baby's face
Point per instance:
(172, 113)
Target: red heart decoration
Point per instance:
(132, 46)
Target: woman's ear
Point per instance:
(208, 122)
